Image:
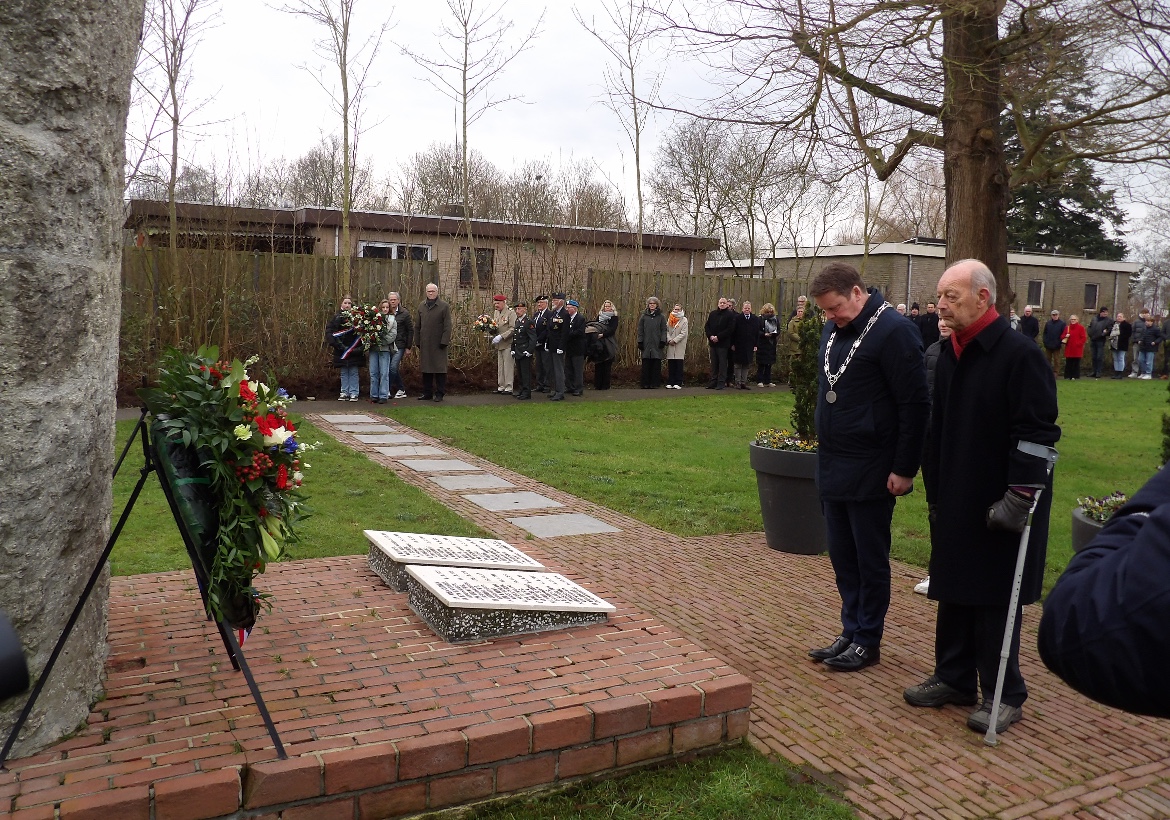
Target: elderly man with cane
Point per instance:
(988, 480)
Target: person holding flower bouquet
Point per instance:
(504, 319)
(348, 354)
(381, 350)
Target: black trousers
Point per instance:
(436, 380)
(1072, 368)
(1098, 348)
(859, 549)
(651, 372)
(674, 372)
(544, 368)
(718, 365)
(575, 374)
(601, 374)
(967, 642)
(764, 373)
(558, 372)
(523, 374)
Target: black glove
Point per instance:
(1010, 513)
(442, 347)
(932, 513)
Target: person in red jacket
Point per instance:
(1074, 339)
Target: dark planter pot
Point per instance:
(1084, 529)
(789, 500)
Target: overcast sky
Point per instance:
(261, 104)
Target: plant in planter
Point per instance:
(231, 461)
(1091, 514)
(785, 460)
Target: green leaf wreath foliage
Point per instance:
(248, 452)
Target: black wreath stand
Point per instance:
(202, 574)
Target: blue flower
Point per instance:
(281, 393)
(290, 445)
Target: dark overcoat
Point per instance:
(1001, 392)
(339, 344)
(652, 334)
(769, 334)
(745, 338)
(1104, 625)
(433, 334)
(877, 424)
(574, 334)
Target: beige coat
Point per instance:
(676, 338)
(505, 325)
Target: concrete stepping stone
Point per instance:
(502, 502)
(552, 526)
(350, 418)
(411, 450)
(444, 465)
(483, 481)
(367, 428)
(400, 438)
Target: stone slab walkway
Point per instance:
(760, 610)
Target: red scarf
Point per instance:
(961, 338)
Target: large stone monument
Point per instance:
(64, 93)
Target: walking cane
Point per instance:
(1050, 455)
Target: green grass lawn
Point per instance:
(681, 464)
(738, 784)
(347, 493)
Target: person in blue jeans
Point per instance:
(381, 350)
(402, 342)
(348, 356)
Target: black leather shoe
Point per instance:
(933, 692)
(832, 650)
(855, 658)
(525, 396)
(556, 397)
(425, 398)
(438, 397)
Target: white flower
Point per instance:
(278, 437)
(243, 432)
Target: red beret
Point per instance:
(499, 297)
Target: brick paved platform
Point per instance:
(760, 611)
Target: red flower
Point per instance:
(246, 393)
(282, 477)
(262, 512)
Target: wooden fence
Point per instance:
(277, 305)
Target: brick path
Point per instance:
(760, 610)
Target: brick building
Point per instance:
(909, 271)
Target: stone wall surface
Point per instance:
(64, 92)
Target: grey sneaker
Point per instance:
(934, 692)
(353, 398)
(980, 719)
(401, 394)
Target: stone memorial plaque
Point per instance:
(475, 604)
(401, 438)
(445, 465)
(557, 524)
(503, 502)
(391, 552)
(350, 418)
(411, 450)
(367, 428)
(484, 481)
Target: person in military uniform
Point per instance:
(575, 349)
(523, 350)
(558, 329)
(540, 330)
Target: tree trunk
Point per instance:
(973, 161)
(64, 95)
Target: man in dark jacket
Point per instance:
(402, 343)
(1103, 630)
(744, 342)
(1029, 324)
(434, 334)
(575, 344)
(719, 329)
(523, 350)
(870, 418)
(1053, 333)
(1098, 336)
(1135, 339)
(554, 345)
(992, 427)
(927, 324)
(543, 369)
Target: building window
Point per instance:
(1036, 292)
(484, 260)
(1090, 297)
(391, 250)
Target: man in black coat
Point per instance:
(719, 329)
(870, 419)
(1029, 324)
(1098, 336)
(744, 342)
(523, 348)
(575, 344)
(1053, 333)
(540, 330)
(992, 427)
(1104, 625)
(927, 324)
(554, 345)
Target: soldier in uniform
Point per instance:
(523, 348)
(575, 349)
(540, 330)
(558, 327)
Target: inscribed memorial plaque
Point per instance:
(390, 552)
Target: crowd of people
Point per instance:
(1110, 340)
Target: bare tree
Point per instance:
(474, 49)
(626, 36)
(889, 78)
(353, 62)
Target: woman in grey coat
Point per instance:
(676, 347)
(652, 343)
